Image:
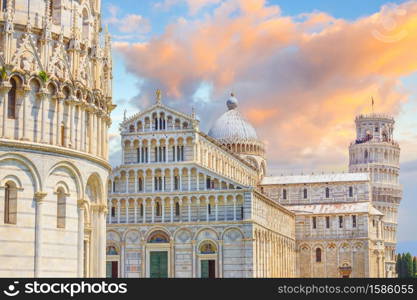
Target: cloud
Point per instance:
(300, 80)
(130, 26)
(194, 5)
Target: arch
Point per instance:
(234, 237)
(158, 236)
(183, 235)
(35, 176)
(197, 235)
(132, 240)
(75, 172)
(94, 189)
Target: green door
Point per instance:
(159, 264)
(204, 269)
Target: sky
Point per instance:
(301, 70)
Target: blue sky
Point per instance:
(153, 19)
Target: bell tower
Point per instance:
(375, 152)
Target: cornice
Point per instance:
(54, 149)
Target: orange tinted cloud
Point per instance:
(300, 80)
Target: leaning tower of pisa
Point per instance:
(55, 105)
(375, 151)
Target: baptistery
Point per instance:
(55, 105)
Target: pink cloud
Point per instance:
(313, 71)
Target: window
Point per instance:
(354, 221)
(209, 208)
(327, 222)
(140, 184)
(176, 183)
(327, 192)
(318, 255)
(113, 211)
(314, 222)
(373, 222)
(10, 203)
(241, 213)
(114, 186)
(284, 194)
(177, 209)
(305, 194)
(158, 209)
(63, 135)
(132, 128)
(11, 100)
(4, 6)
(350, 192)
(141, 210)
(61, 208)
(340, 221)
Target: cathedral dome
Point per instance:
(232, 127)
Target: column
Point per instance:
(82, 128)
(198, 209)
(189, 179)
(207, 210)
(127, 210)
(24, 94)
(71, 126)
(80, 248)
(98, 139)
(189, 210)
(135, 178)
(4, 89)
(172, 179)
(197, 180)
(118, 211)
(110, 210)
(59, 111)
(153, 181)
(148, 150)
(43, 95)
(90, 130)
(127, 183)
(135, 207)
(234, 209)
(39, 197)
(163, 210)
(144, 212)
(102, 228)
(172, 210)
(216, 201)
(153, 210)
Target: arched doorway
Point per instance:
(112, 262)
(207, 257)
(158, 255)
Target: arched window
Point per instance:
(10, 203)
(158, 209)
(61, 208)
(131, 128)
(327, 192)
(86, 25)
(140, 184)
(11, 100)
(4, 5)
(63, 135)
(177, 209)
(318, 255)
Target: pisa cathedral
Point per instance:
(188, 204)
(55, 105)
(182, 203)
